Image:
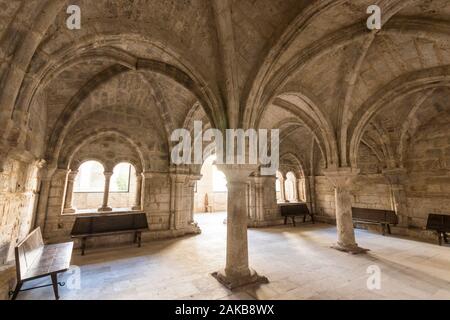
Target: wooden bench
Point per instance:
(441, 224)
(36, 260)
(384, 218)
(292, 210)
(109, 224)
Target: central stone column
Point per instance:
(282, 189)
(104, 206)
(341, 179)
(296, 193)
(68, 202)
(237, 272)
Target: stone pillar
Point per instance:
(179, 178)
(104, 207)
(282, 190)
(237, 272)
(396, 178)
(68, 205)
(341, 179)
(138, 196)
(191, 185)
(296, 195)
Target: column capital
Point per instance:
(261, 179)
(341, 177)
(193, 178)
(72, 175)
(107, 174)
(40, 163)
(154, 174)
(395, 176)
(237, 173)
(139, 174)
(179, 177)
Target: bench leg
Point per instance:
(83, 245)
(293, 220)
(383, 229)
(304, 218)
(135, 237)
(285, 220)
(54, 277)
(440, 238)
(139, 238)
(389, 228)
(17, 290)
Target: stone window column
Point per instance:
(296, 195)
(104, 207)
(396, 178)
(282, 189)
(342, 179)
(138, 196)
(237, 271)
(68, 201)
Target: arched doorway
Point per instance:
(211, 190)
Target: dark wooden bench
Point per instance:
(384, 218)
(441, 224)
(36, 260)
(109, 224)
(292, 210)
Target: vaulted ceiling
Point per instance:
(142, 68)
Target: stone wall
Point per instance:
(369, 191)
(428, 183)
(18, 187)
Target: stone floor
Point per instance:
(298, 262)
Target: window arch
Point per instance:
(123, 187)
(90, 177)
(121, 178)
(219, 180)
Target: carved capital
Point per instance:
(108, 174)
(341, 177)
(395, 176)
(237, 173)
(72, 175)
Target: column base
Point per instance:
(232, 282)
(69, 210)
(104, 209)
(194, 228)
(353, 249)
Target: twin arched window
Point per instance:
(89, 190)
(91, 178)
